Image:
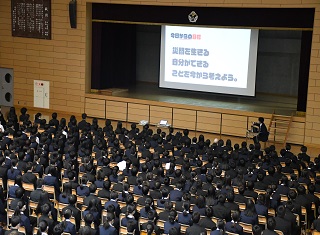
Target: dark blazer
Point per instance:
(283, 225)
(207, 223)
(195, 229)
(35, 195)
(76, 214)
(9, 231)
(30, 178)
(234, 228)
(221, 212)
(185, 219)
(70, 228)
(168, 225)
(109, 231)
(13, 174)
(175, 195)
(249, 220)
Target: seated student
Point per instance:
(281, 223)
(271, 225)
(260, 205)
(45, 211)
(94, 210)
(68, 227)
(130, 220)
(13, 188)
(195, 228)
(43, 228)
(105, 192)
(15, 224)
(113, 201)
(256, 230)
(148, 207)
(152, 217)
(234, 226)
(206, 222)
(171, 222)
(200, 205)
(185, 217)
(220, 228)
(249, 215)
(83, 189)
(67, 191)
(165, 198)
(107, 227)
(316, 223)
(263, 133)
(13, 172)
(24, 220)
(88, 220)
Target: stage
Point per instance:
(261, 103)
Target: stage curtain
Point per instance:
(115, 47)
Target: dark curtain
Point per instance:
(116, 50)
(305, 54)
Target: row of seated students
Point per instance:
(81, 178)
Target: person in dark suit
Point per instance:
(263, 133)
(67, 225)
(76, 213)
(92, 196)
(107, 227)
(105, 192)
(195, 228)
(234, 226)
(13, 172)
(51, 180)
(220, 211)
(271, 225)
(176, 194)
(316, 223)
(3, 172)
(167, 208)
(260, 205)
(113, 201)
(35, 195)
(130, 219)
(249, 215)
(83, 123)
(206, 222)
(171, 222)
(185, 217)
(28, 177)
(282, 224)
(15, 224)
(45, 209)
(220, 228)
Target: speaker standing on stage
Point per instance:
(263, 133)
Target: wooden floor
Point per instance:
(262, 103)
(313, 152)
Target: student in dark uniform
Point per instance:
(263, 133)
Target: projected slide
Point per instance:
(215, 60)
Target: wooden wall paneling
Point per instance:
(184, 118)
(95, 108)
(296, 133)
(116, 110)
(158, 113)
(138, 112)
(208, 122)
(235, 125)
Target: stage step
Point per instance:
(279, 127)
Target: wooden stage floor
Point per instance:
(262, 103)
